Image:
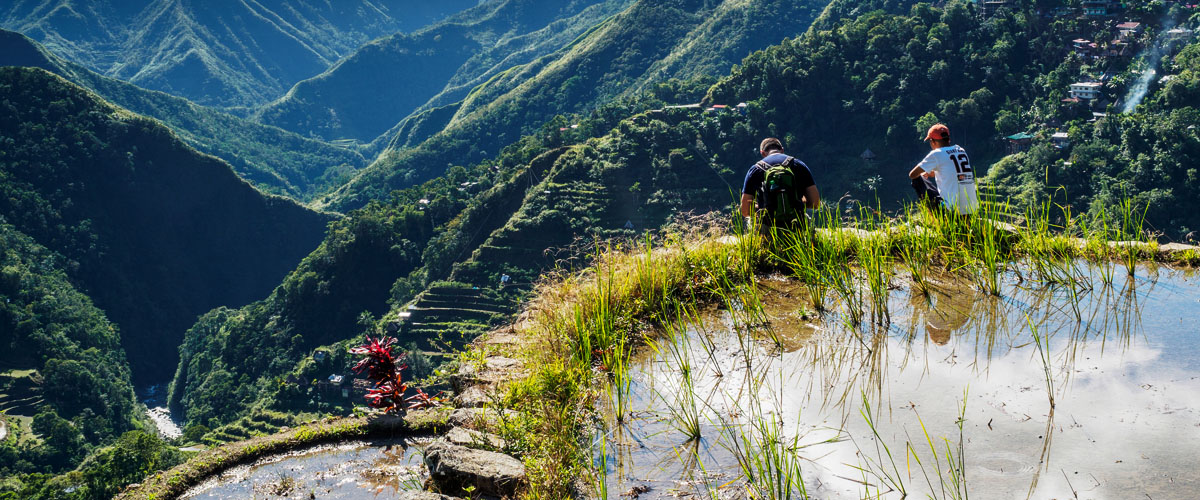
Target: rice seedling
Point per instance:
(988, 245)
(802, 255)
(952, 481)
(768, 460)
(874, 257)
(1043, 353)
(1132, 222)
(918, 249)
(600, 467)
(1097, 234)
(685, 412)
(888, 473)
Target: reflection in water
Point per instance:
(1124, 376)
(376, 469)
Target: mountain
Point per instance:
(154, 232)
(396, 78)
(218, 53)
(274, 160)
(616, 58)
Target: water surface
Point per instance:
(1124, 373)
(352, 470)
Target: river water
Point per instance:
(1120, 363)
(155, 399)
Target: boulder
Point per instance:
(478, 418)
(475, 439)
(494, 370)
(472, 397)
(1177, 250)
(422, 495)
(454, 469)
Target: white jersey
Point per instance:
(955, 178)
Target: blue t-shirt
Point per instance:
(756, 175)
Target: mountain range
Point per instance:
(221, 53)
(274, 160)
(648, 42)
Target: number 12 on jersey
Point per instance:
(961, 164)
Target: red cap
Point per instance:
(939, 132)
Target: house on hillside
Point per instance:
(868, 155)
(990, 7)
(1060, 140)
(1179, 34)
(1019, 142)
(1128, 30)
(1083, 46)
(1100, 8)
(1086, 90)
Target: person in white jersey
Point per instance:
(945, 176)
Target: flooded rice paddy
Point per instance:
(353, 470)
(1040, 392)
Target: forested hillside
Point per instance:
(154, 232)
(903, 70)
(612, 59)
(394, 79)
(222, 53)
(64, 367)
(274, 160)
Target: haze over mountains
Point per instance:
(216, 52)
(274, 160)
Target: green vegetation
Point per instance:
(394, 82)
(71, 365)
(244, 54)
(155, 232)
(501, 217)
(77, 410)
(987, 78)
(273, 160)
(615, 59)
(606, 309)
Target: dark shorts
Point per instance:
(927, 191)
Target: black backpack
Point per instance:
(783, 198)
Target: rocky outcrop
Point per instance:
(423, 495)
(475, 439)
(454, 469)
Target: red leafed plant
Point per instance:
(383, 367)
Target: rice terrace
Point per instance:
(599, 249)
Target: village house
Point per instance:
(1019, 142)
(1179, 34)
(990, 7)
(1100, 8)
(1086, 90)
(1128, 31)
(1083, 46)
(1060, 140)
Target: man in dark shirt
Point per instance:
(772, 153)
